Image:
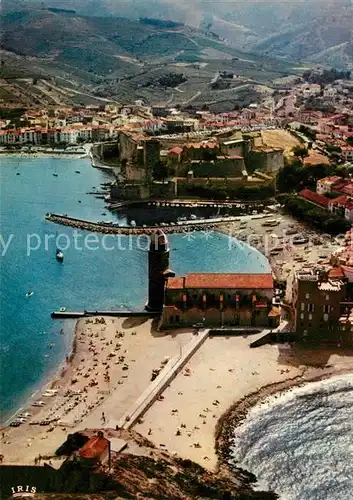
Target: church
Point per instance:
(207, 299)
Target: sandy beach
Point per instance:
(112, 366)
(225, 370)
(114, 359)
(277, 242)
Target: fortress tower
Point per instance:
(158, 270)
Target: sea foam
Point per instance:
(300, 443)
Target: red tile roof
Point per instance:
(94, 447)
(340, 200)
(332, 178)
(317, 199)
(348, 188)
(336, 272)
(176, 150)
(223, 281)
(198, 145)
(175, 283)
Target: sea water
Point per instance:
(300, 443)
(92, 276)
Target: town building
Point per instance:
(315, 198)
(322, 305)
(327, 184)
(347, 153)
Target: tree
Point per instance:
(350, 141)
(294, 176)
(310, 133)
(300, 152)
(160, 171)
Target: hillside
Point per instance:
(294, 29)
(327, 39)
(122, 60)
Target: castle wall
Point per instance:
(220, 167)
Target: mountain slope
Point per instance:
(313, 39)
(121, 59)
(295, 29)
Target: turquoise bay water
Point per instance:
(87, 279)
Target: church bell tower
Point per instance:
(158, 270)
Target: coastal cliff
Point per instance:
(148, 472)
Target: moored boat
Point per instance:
(59, 255)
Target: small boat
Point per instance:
(59, 255)
(77, 171)
(29, 294)
(55, 175)
(18, 173)
(79, 201)
(62, 309)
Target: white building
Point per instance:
(326, 184)
(311, 90)
(69, 136)
(347, 153)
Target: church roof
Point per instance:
(221, 281)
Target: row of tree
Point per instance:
(295, 176)
(314, 216)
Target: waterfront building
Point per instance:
(322, 305)
(216, 300)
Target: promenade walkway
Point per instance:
(155, 389)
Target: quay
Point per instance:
(106, 228)
(192, 203)
(87, 314)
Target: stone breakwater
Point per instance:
(105, 228)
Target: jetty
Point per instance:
(117, 314)
(110, 228)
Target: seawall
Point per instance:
(105, 228)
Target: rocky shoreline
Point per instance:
(238, 412)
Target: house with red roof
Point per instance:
(215, 300)
(315, 198)
(338, 205)
(96, 451)
(347, 153)
(327, 184)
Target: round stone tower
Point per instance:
(158, 270)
